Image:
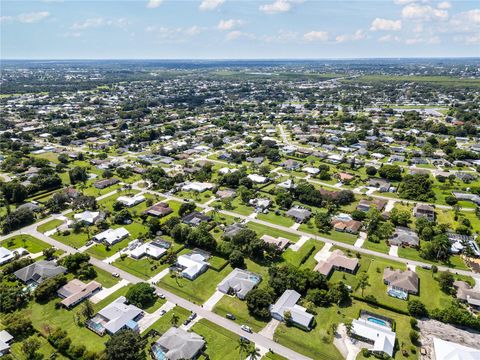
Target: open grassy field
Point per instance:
(233, 305)
(52, 224)
(28, 242)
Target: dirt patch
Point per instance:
(430, 329)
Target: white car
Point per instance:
(116, 275)
(246, 328)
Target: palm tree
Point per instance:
(253, 353)
(362, 282)
(242, 346)
(174, 320)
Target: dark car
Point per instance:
(230, 316)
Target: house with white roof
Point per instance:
(239, 282)
(192, 265)
(197, 186)
(446, 350)
(115, 317)
(5, 342)
(112, 236)
(87, 217)
(373, 332)
(259, 179)
(151, 249)
(7, 255)
(130, 201)
(288, 303)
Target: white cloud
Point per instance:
(277, 6)
(229, 24)
(404, 2)
(96, 22)
(32, 17)
(174, 34)
(389, 38)
(420, 40)
(152, 4)
(423, 12)
(385, 24)
(316, 36)
(358, 35)
(210, 4)
(232, 35)
(444, 5)
(468, 21)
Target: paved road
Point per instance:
(313, 236)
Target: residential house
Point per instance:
(88, 217)
(288, 303)
(380, 336)
(160, 209)
(227, 193)
(404, 281)
(112, 236)
(259, 179)
(280, 242)
(104, 183)
(365, 205)
(424, 210)
(239, 282)
(337, 261)
(114, 317)
(130, 201)
(5, 342)
(7, 255)
(291, 164)
(467, 294)
(381, 184)
(344, 177)
(349, 226)
(152, 249)
(195, 218)
(232, 230)
(299, 214)
(39, 271)
(260, 203)
(405, 237)
(192, 265)
(311, 170)
(75, 291)
(197, 186)
(447, 350)
(178, 344)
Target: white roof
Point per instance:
(193, 263)
(111, 236)
(148, 249)
(257, 178)
(446, 350)
(119, 314)
(87, 216)
(131, 200)
(311, 170)
(6, 255)
(197, 186)
(382, 336)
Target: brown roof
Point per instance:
(160, 209)
(350, 225)
(406, 280)
(279, 242)
(75, 291)
(336, 261)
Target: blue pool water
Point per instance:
(255, 279)
(377, 321)
(159, 354)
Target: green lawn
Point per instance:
(237, 307)
(381, 247)
(281, 219)
(100, 251)
(28, 242)
(332, 235)
(105, 278)
(456, 261)
(50, 225)
(164, 323)
(75, 240)
(46, 350)
(262, 230)
(198, 290)
(221, 344)
(294, 257)
(317, 343)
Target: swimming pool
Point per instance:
(402, 295)
(158, 353)
(377, 321)
(255, 279)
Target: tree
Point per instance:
(417, 309)
(451, 200)
(437, 249)
(30, 347)
(339, 293)
(416, 187)
(236, 259)
(74, 262)
(399, 217)
(186, 208)
(446, 280)
(174, 320)
(141, 295)
(48, 288)
(88, 311)
(242, 346)
(12, 298)
(78, 175)
(371, 171)
(391, 172)
(253, 353)
(13, 192)
(125, 345)
(323, 222)
(49, 253)
(363, 282)
(284, 199)
(18, 324)
(258, 303)
(19, 218)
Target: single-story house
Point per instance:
(404, 236)
(260, 203)
(115, 316)
(160, 209)
(88, 217)
(178, 344)
(112, 236)
(467, 294)
(39, 271)
(192, 265)
(380, 336)
(7, 255)
(197, 186)
(311, 170)
(366, 205)
(288, 303)
(232, 230)
(406, 281)
(259, 179)
(239, 282)
(227, 193)
(350, 226)
(195, 218)
(299, 214)
(104, 183)
(130, 201)
(151, 249)
(5, 342)
(337, 261)
(280, 242)
(447, 350)
(75, 291)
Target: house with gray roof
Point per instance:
(177, 344)
(5, 341)
(404, 236)
(39, 271)
(406, 281)
(239, 282)
(299, 214)
(232, 230)
(288, 303)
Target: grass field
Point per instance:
(233, 305)
(52, 224)
(28, 242)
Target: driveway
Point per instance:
(269, 330)
(213, 300)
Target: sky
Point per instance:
(238, 29)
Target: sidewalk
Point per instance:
(108, 291)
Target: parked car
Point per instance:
(161, 296)
(246, 328)
(186, 322)
(230, 316)
(162, 312)
(116, 275)
(192, 316)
